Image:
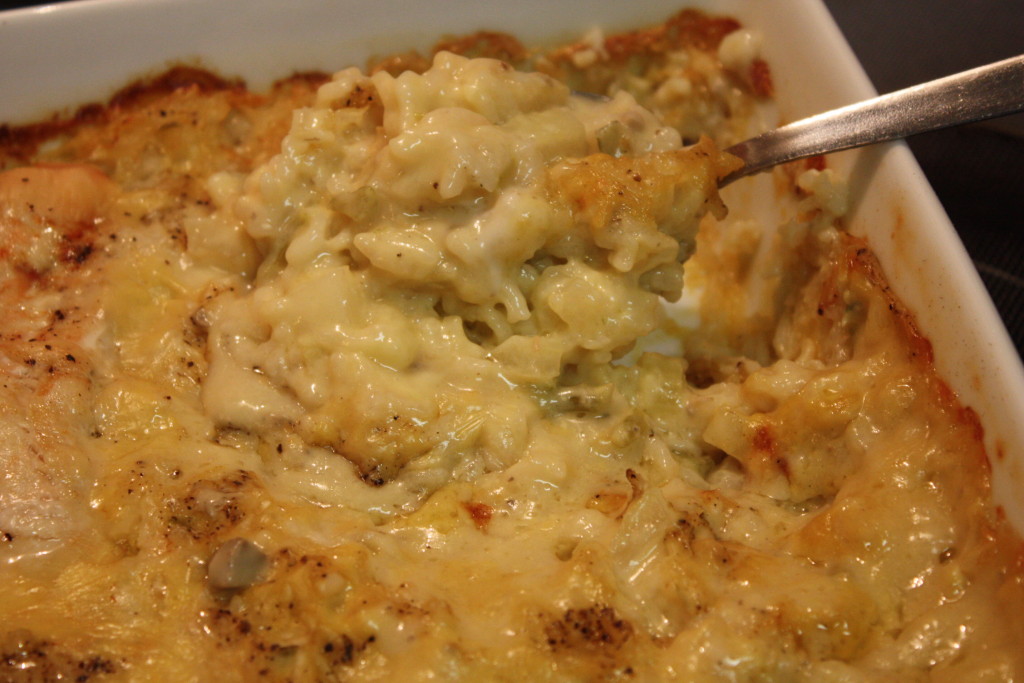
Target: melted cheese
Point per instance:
(356, 383)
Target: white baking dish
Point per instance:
(58, 56)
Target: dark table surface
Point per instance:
(977, 171)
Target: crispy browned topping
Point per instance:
(596, 627)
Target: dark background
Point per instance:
(977, 171)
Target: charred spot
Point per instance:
(597, 627)
(763, 86)
(684, 532)
(864, 263)
(345, 650)
(378, 475)
(815, 163)
(763, 439)
(195, 332)
(480, 513)
(231, 628)
(360, 97)
(143, 91)
(701, 373)
(229, 435)
(78, 253)
(23, 653)
(22, 142)
(210, 506)
(636, 484)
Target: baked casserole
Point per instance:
(435, 370)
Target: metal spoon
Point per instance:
(982, 93)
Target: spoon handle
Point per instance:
(982, 93)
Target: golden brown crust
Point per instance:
(20, 143)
